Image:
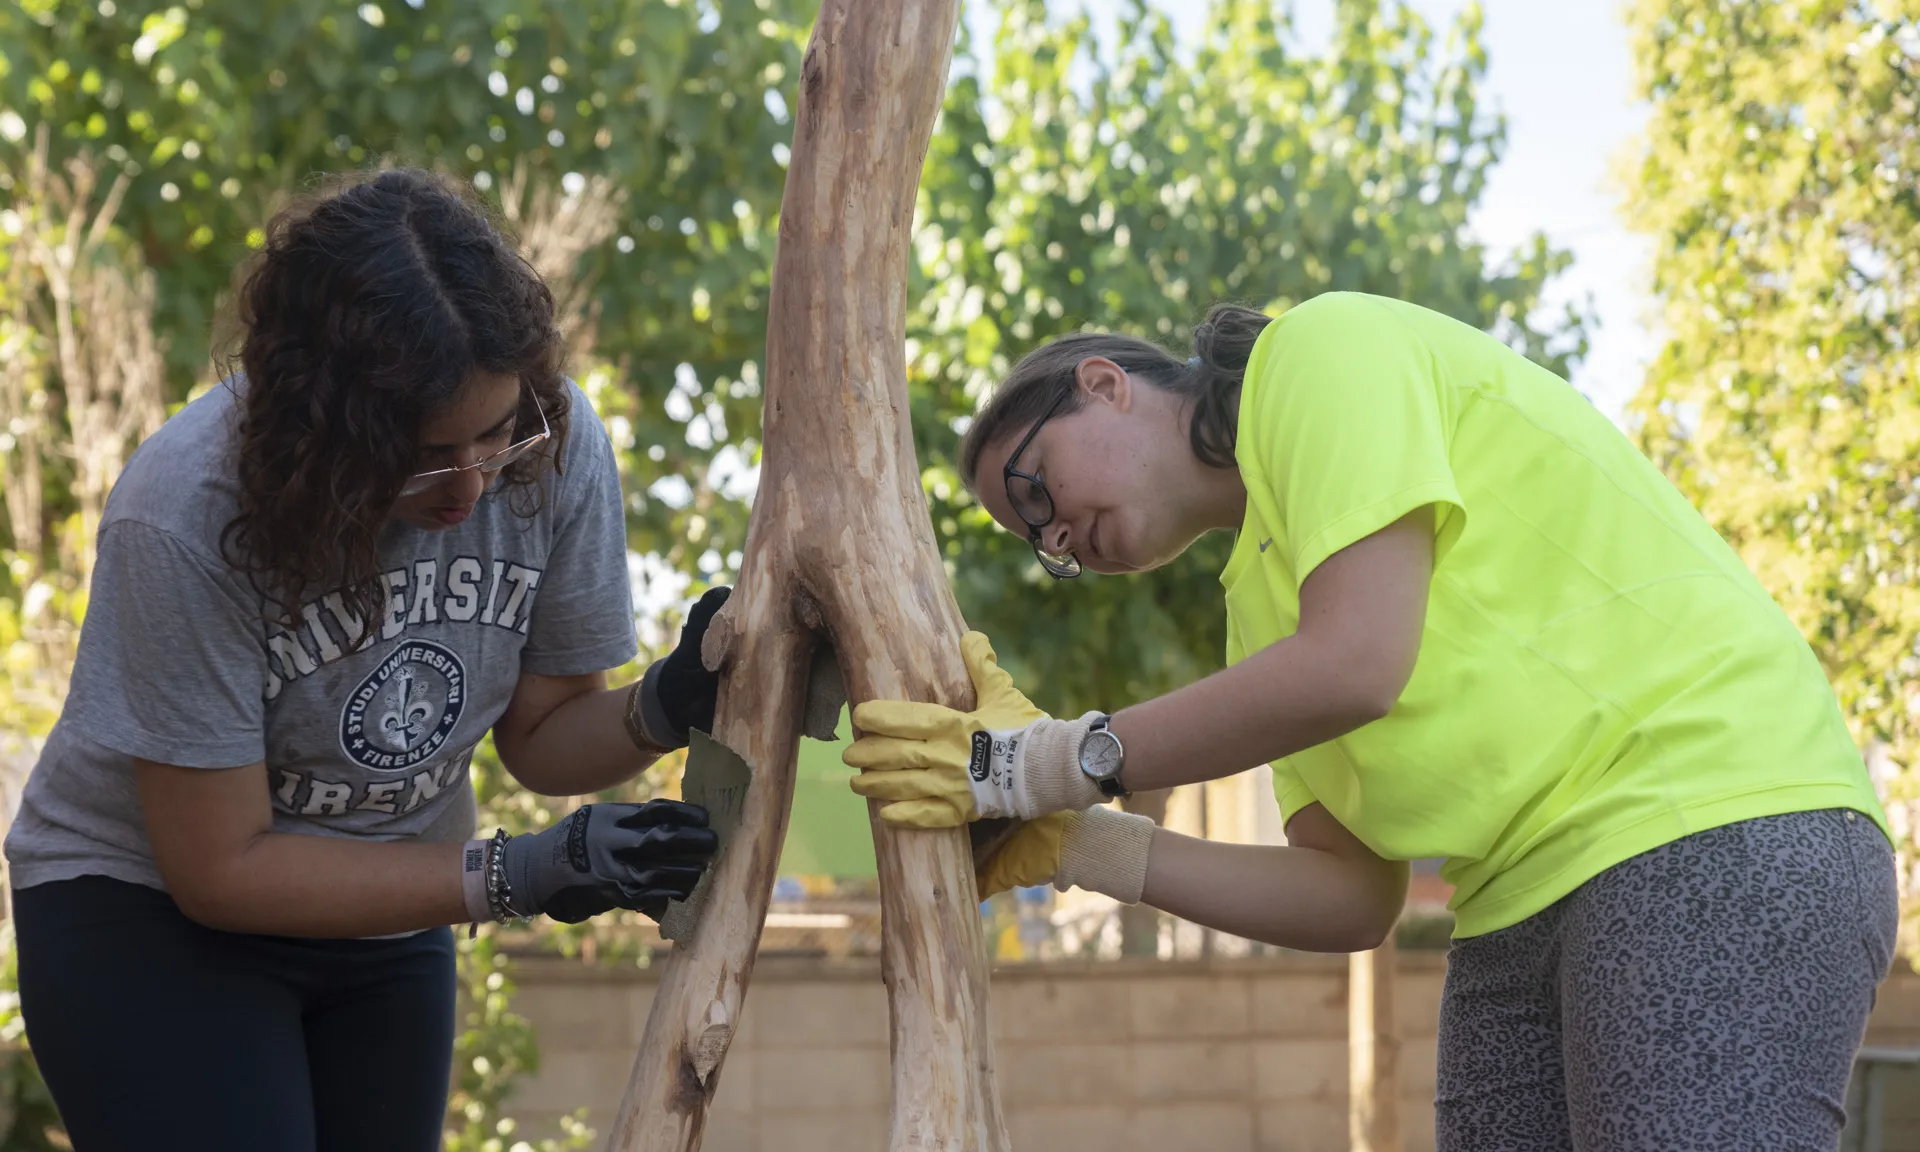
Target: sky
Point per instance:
(1561, 72)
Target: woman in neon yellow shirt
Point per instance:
(1466, 619)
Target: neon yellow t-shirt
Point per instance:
(1599, 673)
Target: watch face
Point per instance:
(1100, 755)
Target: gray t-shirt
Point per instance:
(177, 665)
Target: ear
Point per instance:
(1100, 379)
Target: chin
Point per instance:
(421, 522)
(1131, 546)
(1116, 566)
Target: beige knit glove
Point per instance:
(1100, 849)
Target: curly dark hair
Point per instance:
(371, 304)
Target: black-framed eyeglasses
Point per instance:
(421, 481)
(1034, 504)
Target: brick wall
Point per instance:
(1223, 1055)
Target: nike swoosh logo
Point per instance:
(1266, 544)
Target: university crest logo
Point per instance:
(403, 712)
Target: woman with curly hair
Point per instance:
(397, 528)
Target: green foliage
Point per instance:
(28, 1120)
(493, 1049)
(1068, 184)
(1779, 179)
(79, 387)
(1132, 200)
(221, 108)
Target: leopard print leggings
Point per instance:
(1706, 995)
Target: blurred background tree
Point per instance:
(218, 110)
(1779, 179)
(1129, 187)
(638, 148)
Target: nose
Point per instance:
(466, 487)
(1055, 539)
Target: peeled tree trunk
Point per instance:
(840, 553)
(1373, 1051)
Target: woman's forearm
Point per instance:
(578, 748)
(1285, 698)
(285, 884)
(1361, 614)
(1295, 897)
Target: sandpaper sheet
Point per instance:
(717, 779)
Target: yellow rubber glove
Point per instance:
(1030, 856)
(939, 767)
(1101, 849)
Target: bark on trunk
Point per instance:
(839, 552)
(1373, 1050)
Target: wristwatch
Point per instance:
(1102, 756)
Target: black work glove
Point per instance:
(678, 693)
(606, 856)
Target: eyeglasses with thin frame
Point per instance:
(1034, 504)
(487, 466)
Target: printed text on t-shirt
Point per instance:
(415, 595)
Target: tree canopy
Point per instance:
(1779, 179)
(1070, 183)
(1129, 186)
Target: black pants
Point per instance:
(155, 1033)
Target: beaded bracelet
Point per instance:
(499, 893)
